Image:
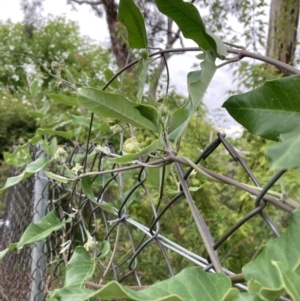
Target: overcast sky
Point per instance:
(179, 65)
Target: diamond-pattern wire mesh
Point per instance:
(15, 267)
(126, 212)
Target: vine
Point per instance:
(270, 111)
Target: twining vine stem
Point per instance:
(242, 53)
(206, 172)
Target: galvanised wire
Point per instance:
(131, 239)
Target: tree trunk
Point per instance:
(283, 25)
(119, 47)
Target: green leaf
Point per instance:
(52, 147)
(269, 110)
(276, 268)
(150, 113)
(147, 150)
(107, 208)
(11, 247)
(31, 168)
(19, 156)
(87, 188)
(85, 121)
(88, 191)
(70, 76)
(113, 105)
(70, 293)
(198, 82)
(56, 177)
(188, 19)
(105, 249)
(44, 110)
(80, 268)
(246, 297)
(255, 288)
(34, 89)
(142, 71)
(235, 295)
(179, 120)
(35, 114)
(65, 134)
(41, 230)
(115, 84)
(23, 91)
(65, 99)
(187, 285)
(59, 122)
(290, 279)
(131, 17)
(49, 149)
(285, 154)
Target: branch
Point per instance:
(111, 259)
(153, 164)
(244, 53)
(237, 278)
(99, 286)
(198, 218)
(215, 176)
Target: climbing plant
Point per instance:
(154, 130)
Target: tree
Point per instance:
(26, 62)
(24, 57)
(279, 43)
(162, 31)
(25, 76)
(283, 28)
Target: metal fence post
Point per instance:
(38, 256)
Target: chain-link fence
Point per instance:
(15, 267)
(127, 210)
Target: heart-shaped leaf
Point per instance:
(276, 269)
(79, 268)
(187, 285)
(285, 154)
